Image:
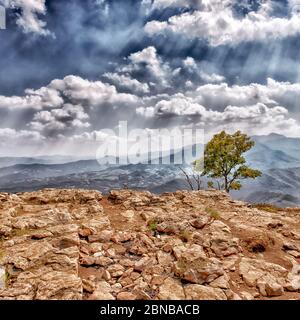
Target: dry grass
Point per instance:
(21, 232)
(213, 213)
(267, 207)
(2, 255)
(185, 235)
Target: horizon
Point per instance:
(94, 156)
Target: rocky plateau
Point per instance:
(80, 245)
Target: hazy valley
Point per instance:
(278, 157)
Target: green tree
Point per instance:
(223, 158)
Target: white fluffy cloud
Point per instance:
(33, 99)
(216, 22)
(92, 93)
(71, 112)
(72, 88)
(127, 82)
(148, 60)
(272, 94)
(69, 117)
(67, 106)
(20, 142)
(29, 19)
(156, 75)
(254, 108)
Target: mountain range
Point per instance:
(278, 157)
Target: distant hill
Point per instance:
(278, 157)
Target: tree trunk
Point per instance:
(226, 186)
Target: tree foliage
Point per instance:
(223, 158)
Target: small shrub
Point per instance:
(210, 184)
(152, 224)
(7, 277)
(213, 213)
(2, 255)
(185, 235)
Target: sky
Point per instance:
(71, 69)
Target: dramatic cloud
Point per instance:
(150, 64)
(91, 93)
(218, 24)
(126, 82)
(216, 64)
(33, 99)
(253, 108)
(68, 118)
(29, 19)
(155, 75)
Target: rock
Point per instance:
(41, 235)
(127, 281)
(221, 282)
(219, 226)
(224, 245)
(269, 287)
(2, 278)
(59, 286)
(98, 254)
(116, 270)
(95, 226)
(143, 263)
(117, 287)
(290, 246)
(293, 279)
(122, 236)
(268, 277)
(66, 244)
(106, 275)
(103, 261)
(126, 263)
(157, 280)
(168, 228)
(103, 236)
(87, 260)
(88, 285)
(128, 214)
(126, 296)
(199, 271)
(171, 289)
(246, 295)
(18, 291)
(5, 231)
(199, 292)
(295, 254)
(189, 252)
(134, 275)
(164, 259)
(200, 222)
(102, 292)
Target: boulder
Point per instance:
(200, 222)
(102, 292)
(171, 289)
(199, 292)
(268, 277)
(199, 271)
